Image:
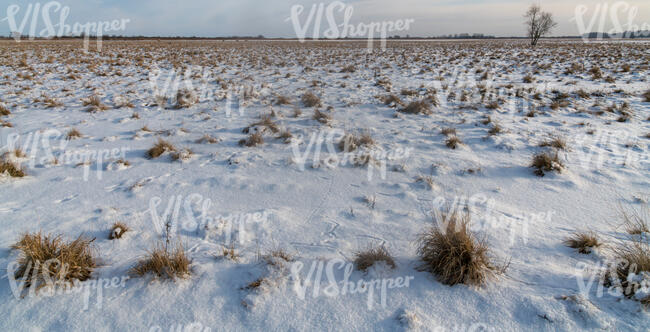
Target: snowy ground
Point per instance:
(281, 195)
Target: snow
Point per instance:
(259, 198)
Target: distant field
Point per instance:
(258, 160)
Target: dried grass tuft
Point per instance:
(117, 230)
(451, 252)
(254, 139)
(73, 134)
(453, 142)
(4, 110)
(159, 148)
(309, 99)
(417, 107)
(546, 162)
(584, 242)
(163, 263)
(46, 260)
(557, 142)
(9, 167)
(367, 258)
(321, 117)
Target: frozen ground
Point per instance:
(262, 198)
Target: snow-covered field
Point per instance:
(299, 193)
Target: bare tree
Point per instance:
(539, 23)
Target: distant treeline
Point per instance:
(592, 35)
(625, 35)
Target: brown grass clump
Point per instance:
(123, 162)
(631, 257)
(596, 73)
(546, 162)
(584, 242)
(646, 96)
(48, 259)
(557, 142)
(321, 117)
(182, 155)
(492, 105)
(160, 101)
(185, 98)
(296, 111)
(453, 142)
(451, 252)
(230, 253)
(8, 167)
(95, 104)
(276, 257)
(623, 118)
(367, 258)
(426, 179)
(117, 230)
(309, 99)
(19, 153)
(350, 142)
(348, 69)
(279, 253)
(282, 100)
(73, 133)
(51, 102)
(159, 148)
(407, 92)
(4, 111)
(528, 79)
(254, 139)
(448, 131)
(582, 94)
(207, 139)
(255, 284)
(496, 129)
(164, 263)
(432, 98)
(417, 107)
(286, 136)
(634, 223)
(391, 99)
(266, 123)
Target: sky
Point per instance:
(272, 18)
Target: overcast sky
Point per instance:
(269, 17)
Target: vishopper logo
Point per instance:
(606, 15)
(198, 84)
(98, 29)
(40, 148)
(193, 213)
(47, 287)
(340, 285)
(370, 157)
(484, 210)
(609, 148)
(463, 89)
(605, 278)
(318, 12)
